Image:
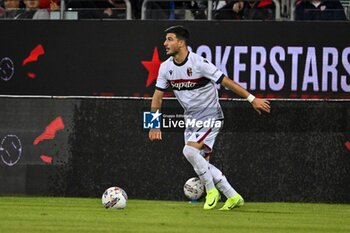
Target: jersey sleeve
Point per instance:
(210, 71)
(162, 83)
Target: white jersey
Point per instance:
(193, 82)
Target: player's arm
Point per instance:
(157, 99)
(258, 104)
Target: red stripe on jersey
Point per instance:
(204, 136)
(197, 80)
(188, 84)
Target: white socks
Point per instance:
(200, 166)
(208, 173)
(221, 182)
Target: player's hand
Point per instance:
(155, 134)
(261, 105)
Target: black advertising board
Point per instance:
(121, 58)
(80, 147)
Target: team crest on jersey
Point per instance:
(189, 71)
(170, 72)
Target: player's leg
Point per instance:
(220, 181)
(219, 178)
(192, 152)
(199, 164)
(234, 199)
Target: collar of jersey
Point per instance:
(183, 62)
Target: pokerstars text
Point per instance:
(278, 68)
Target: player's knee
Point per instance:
(190, 154)
(189, 151)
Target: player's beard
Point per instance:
(174, 52)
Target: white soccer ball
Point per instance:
(194, 188)
(114, 197)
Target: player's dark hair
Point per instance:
(180, 31)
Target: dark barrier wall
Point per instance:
(79, 147)
(33, 134)
(273, 59)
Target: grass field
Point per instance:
(45, 214)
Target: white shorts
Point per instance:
(206, 135)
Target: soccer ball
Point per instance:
(194, 188)
(114, 197)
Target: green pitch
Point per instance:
(45, 214)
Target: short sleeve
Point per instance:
(162, 83)
(210, 71)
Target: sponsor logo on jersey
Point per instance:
(188, 84)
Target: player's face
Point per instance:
(172, 44)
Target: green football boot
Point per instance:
(233, 202)
(212, 198)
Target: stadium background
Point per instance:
(300, 152)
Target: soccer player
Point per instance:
(193, 80)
